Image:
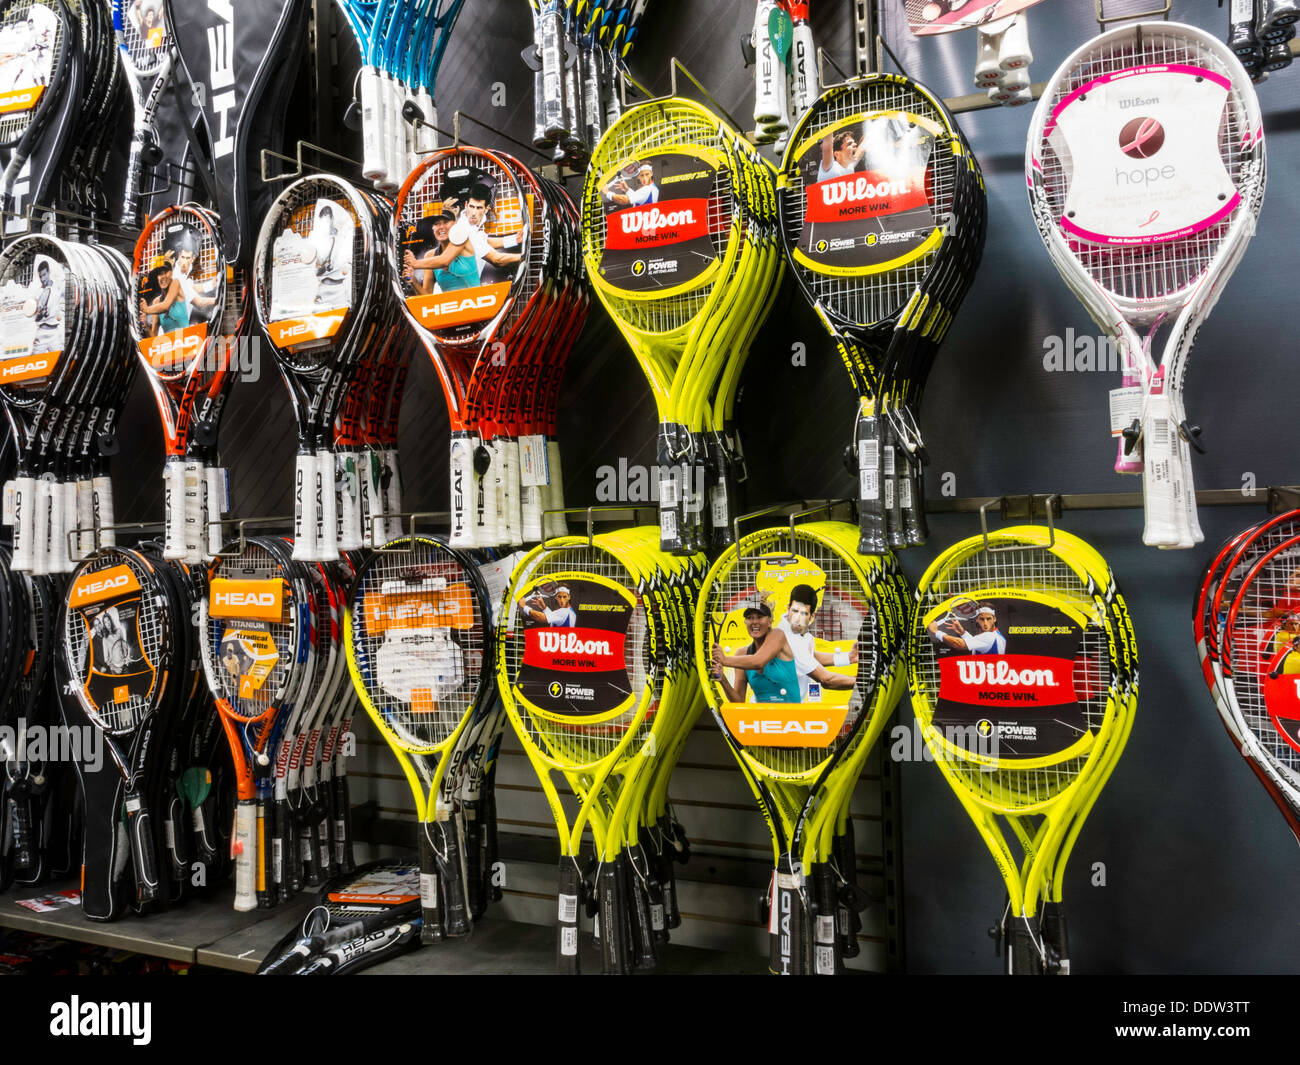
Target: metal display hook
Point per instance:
(242, 524)
(95, 532)
(1051, 509)
(301, 165)
(1103, 19)
(612, 512)
(393, 547)
(674, 66)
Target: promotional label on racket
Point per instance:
(311, 274)
(27, 46)
(460, 231)
(660, 212)
(867, 201)
(1008, 673)
(1144, 146)
(32, 321)
(575, 632)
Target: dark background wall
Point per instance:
(1196, 861)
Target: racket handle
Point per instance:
(1014, 52)
(1162, 487)
(85, 517)
(1241, 27)
(204, 846)
(343, 857)
(828, 960)
(426, 137)
(541, 139)
(786, 927)
(282, 845)
(144, 858)
(1056, 939)
(394, 140)
(551, 44)
(463, 482)
(391, 483)
(557, 524)
(372, 126)
(56, 560)
(987, 71)
(351, 533)
(104, 517)
(67, 499)
(530, 512)
(566, 951)
(266, 891)
(306, 850)
(609, 80)
(195, 511)
(491, 528)
(647, 908)
(803, 70)
(177, 834)
(244, 849)
(592, 112)
(129, 217)
(574, 120)
(871, 514)
(19, 819)
(613, 925)
(891, 461)
(456, 916)
(1022, 954)
(430, 909)
(511, 501)
(672, 489)
(911, 487)
(23, 492)
(327, 545)
(769, 74)
(306, 518)
(217, 497)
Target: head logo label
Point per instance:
(259, 599)
(105, 584)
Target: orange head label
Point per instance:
(261, 600)
(176, 348)
(783, 724)
(30, 368)
(451, 607)
(104, 584)
(20, 99)
(441, 310)
(290, 332)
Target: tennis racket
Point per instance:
(145, 46)
(1162, 256)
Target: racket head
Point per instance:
(143, 36)
(35, 36)
(810, 594)
(419, 642)
(38, 292)
(1165, 113)
(118, 639)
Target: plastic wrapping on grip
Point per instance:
(244, 846)
(85, 517)
(1162, 477)
(348, 466)
(464, 482)
(306, 517)
(104, 519)
(144, 858)
(196, 512)
(372, 129)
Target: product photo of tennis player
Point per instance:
(560, 616)
(952, 634)
(331, 237)
(430, 237)
(111, 643)
(45, 306)
(789, 642)
(25, 53)
(641, 190)
(841, 154)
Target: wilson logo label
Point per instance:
(106, 584)
(1027, 680)
(263, 600)
(651, 226)
(783, 724)
(573, 650)
(443, 310)
(860, 195)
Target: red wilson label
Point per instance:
(574, 650)
(993, 680)
(1282, 697)
(864, 195)
(657, 224)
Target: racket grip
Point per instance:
(463, 481)
(130, 214)
(610, 77)
(216, 485)
(456, 919)
(541, 139)
(306, 519)
(987, 71)
(326, 474)
(343, 857)
(1162, 487)
(1014, 52)
(205, 848)
(394, 139)
(511, 509)
(144, 858)
(912, 489)
(85, 517)
(176, 832)
(24, 524)
(264, 871)
(348, 464)
(67, 499)
(557, 524)
(1022, 955)
(892, 460)
(551, 45)
(647, 907)
(104, 517)
(195, 511)
(592, 112)
(430, 910)
(672, 489)
(827, 957)
(426, 137)
(566, 957)
(871, 514)
(491, 529)
(19, 819)
(803, 70)
(1052, 927)
(769, 76)
(281, 846)
(610, 894)
(372, 126)
(56, 560)
(785, 927)
(391, 483)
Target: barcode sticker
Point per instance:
(825, 961)
(668, 495)
(534, 467)
(890, 469)
(825, 928)
(568, 941)
(568, 909)
(889, 494)
(657, 916)
(868, 455)
(1160, 432)
(905, 493)
(277, 858)
(869, 485)
(7, 509)
(429, 891)
(1125, 408)
(668, 524)
(718, 506)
